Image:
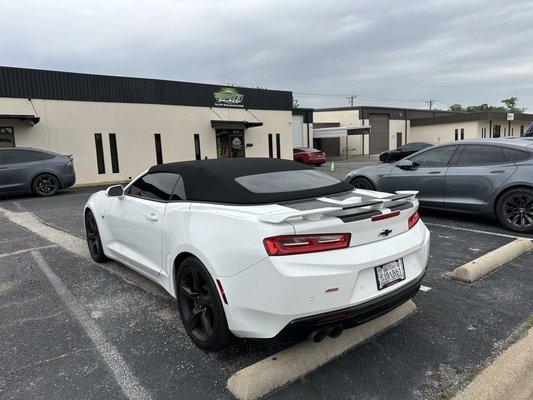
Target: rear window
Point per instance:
(286, 181)
(15, 156)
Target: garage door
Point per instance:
(379, 133)
(297, 131)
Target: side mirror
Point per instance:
(115, 191)
(406, 164)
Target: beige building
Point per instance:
(365, 129)
(371, 130)
(115, 127)
(447, 128)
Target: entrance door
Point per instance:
(398, 139)
(7, 139)
(230, 143)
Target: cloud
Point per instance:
(454, 51)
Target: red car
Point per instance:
(309, 156)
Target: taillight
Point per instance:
(299, 244)
(413, 219)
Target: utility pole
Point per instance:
(351, 98)
(430, 102)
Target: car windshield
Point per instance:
(286, 181)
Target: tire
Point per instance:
(45, 185)
(362, 183)
(93, 239)
(514, 210)
(200, 306)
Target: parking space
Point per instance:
(50, 351)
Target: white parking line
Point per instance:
(475, 231)
(129, 384)
(16, 253)
(78, 246)
(425, 288)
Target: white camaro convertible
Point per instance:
(262, 248)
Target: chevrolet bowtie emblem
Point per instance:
(385, 232)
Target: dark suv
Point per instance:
(26, 170)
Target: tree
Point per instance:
(456, 108)
(509, 105)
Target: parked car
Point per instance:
(309, 156)
(403, 151)
(27, 170)
(262, 248)
(490, 177)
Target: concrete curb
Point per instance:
(489, 262)
(294, 362)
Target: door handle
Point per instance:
(497, 171)
(434, 172)
(3, 167)
(152, 217)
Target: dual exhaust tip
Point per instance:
(320, 334)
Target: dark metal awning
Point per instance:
(224, 124)
(30, 118)
(18, 109)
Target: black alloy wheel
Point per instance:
(362, 183)
(45, 185)
(200, 306)
(93, 238)
(515, 210)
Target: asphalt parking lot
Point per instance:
(49, 354)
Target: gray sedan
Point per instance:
(492, 177)
(26, 170)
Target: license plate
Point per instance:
(390, 273)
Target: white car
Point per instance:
(262, 248)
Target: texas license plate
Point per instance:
(390, 273)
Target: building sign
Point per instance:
(228, 97)
(510, 116)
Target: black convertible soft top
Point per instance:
(251, 180)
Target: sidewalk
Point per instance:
(510, 376)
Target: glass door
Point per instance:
(230, 143)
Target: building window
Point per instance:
(496, 130)
(197, 150)
(457, 134)
(521, 130)
(158, 150)
(99, 153)
(483, 132)
(462, 133)
(7, 138)
(278, 145)
(114, 152)
(270, 148)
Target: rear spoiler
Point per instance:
(350, 203)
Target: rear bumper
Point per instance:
(350, 317)
(67, 180)
(288, 295)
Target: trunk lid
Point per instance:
(383, 217)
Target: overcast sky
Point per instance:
(455, 51)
